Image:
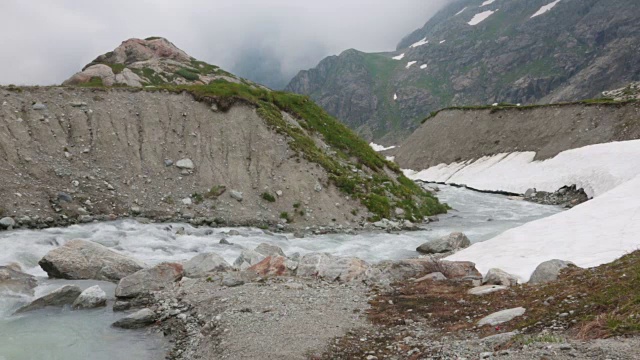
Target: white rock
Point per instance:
(502, 316)
(90, 298)
(486, 289)
(185, 164)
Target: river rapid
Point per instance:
(53, 334)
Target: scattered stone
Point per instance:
(269, 250)
(318, 187)
(499, 277)
(137, 320)
(147, 280)
(548, 271)
(390, 271)
(332, 268)
(7, 223)
(168, 162)
(64, 197)
(273, 266)
(237, 195)
(39, 106)
(90, 298)
(12, 279)
(247, 259)
(452, 242)
(204, 264)
(497, 340)
(501, 316)
(436, 276)
(80, 259)
(187, 201)
(224, 241)
(486, 289)
(185, 164)
(65, 295)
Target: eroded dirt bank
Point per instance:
(461, 135)
(74, 155)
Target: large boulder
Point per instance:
(65, 295)
(332, 268)
(247, 259)
(145, 281)
(205, 264)
(274, 266)
(7, 223)
(390, 271)
(15, 281)
(499, 277)
(80, 259)
(90, 298)
(548, 271)
(269, 250)
(501, 316)
(452, 242)
(137, 320)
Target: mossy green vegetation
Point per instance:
(93, 82)
(188, 74)
(268, 197)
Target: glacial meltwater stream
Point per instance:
(66, 334)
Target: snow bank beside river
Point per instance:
(596, 168)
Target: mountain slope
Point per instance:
(227, 152)
(471, 53)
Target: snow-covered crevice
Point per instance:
(545, 8)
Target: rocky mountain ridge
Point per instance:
(477, 52)
(152, 61)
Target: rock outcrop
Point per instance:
(65, 295)
(148, 280)
(80, 259)
(548, 271)
(15, 281)
(137, 320)
(205, 264)
(450, 243)
(90, 298)
(148, 62)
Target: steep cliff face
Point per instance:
(477, 52)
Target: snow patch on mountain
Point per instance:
(399, 57)
(545, 8)
(410, 64)
(461, 11)
(480, 17)
(379, 148)
(488, 2)
(423, 66)
(419, 43)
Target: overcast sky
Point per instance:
(45, 41)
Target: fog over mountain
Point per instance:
(266, 41)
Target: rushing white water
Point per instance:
(65, 334)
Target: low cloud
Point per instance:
(45, 42)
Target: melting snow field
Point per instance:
(593, 233)
(545, 8)
(480, 17)
(596, 168)
(399, 57)
(420, 43)
(379, 148)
